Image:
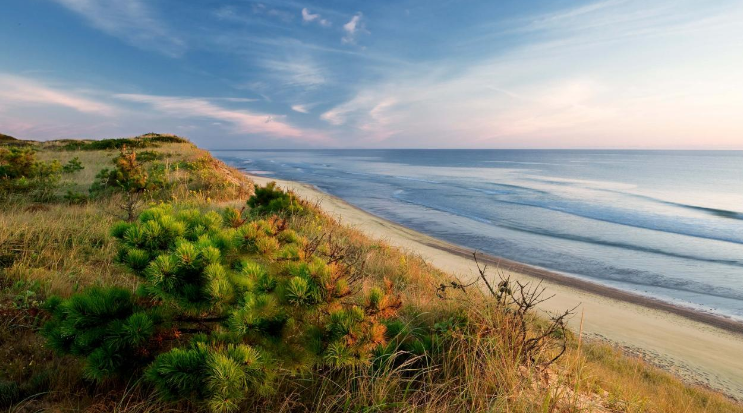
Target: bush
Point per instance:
(20, 171)
(272, 200)
(217, 319)
(148, 156)
(74, 165)
(130, 177)
(17, 163)
(75, 198)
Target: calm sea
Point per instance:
(668, 224)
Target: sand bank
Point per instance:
(699, 347)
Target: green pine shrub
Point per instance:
(272, 200)
(222, 312)
(73, 165)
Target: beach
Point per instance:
(660, 224)
(699, 347)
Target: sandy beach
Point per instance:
(699, 347)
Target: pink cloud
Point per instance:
(243, 121)
(15, 90)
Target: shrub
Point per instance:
(217, 320)
(148, 156)
(131, 178)
(73, 165)
(128, 175)
(75, 198)
(20, 171)
(272, 200)
(16, 163)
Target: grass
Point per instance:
(58, 248)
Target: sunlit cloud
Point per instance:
(20, 91)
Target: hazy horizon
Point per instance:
(596, 75)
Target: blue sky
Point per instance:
(390, 74)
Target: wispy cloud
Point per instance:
(295, 72)
(283, 15)
(131, 21)
(352, 28)
(242, 121)
(16, 90)
(337, 115)
(371, 114)
(300, 108)
(310, 17)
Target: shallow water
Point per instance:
(668, 224)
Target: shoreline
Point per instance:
(699, 347)
(507, 265)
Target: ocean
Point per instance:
(666, 224)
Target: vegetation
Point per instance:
(145, 141)
(213, 298)
(7, 138)
(21, 172)
(131, 178)
(222, 310)
(270, 200)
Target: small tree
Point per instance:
(130, 177)
(72, 166)
(225, 306)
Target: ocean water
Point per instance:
(668, 224)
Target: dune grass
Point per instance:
(55, 248)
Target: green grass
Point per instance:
(56, 248)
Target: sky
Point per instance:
(622, 74)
